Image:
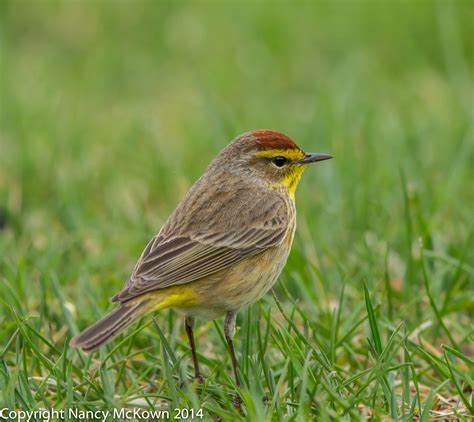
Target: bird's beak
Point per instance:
(312, 157)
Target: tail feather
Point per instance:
(107, 328)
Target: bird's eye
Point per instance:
(279, 161)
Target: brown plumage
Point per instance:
(224, 245)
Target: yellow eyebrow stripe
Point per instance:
(291, 154)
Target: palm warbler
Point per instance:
(224, 245)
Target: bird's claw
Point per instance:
(237, 402)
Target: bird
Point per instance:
(222, 248)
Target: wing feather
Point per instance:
(173, 260)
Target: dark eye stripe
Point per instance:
(279, 161)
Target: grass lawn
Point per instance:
(109, 111)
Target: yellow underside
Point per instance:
(176, 296)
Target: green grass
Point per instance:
(110, 111)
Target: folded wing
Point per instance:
(173, 260)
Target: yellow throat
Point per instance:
(290, 180)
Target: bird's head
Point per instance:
(270, 158)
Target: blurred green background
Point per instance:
(111, 110)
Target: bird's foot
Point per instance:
(237, 402)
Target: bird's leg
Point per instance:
(189, 324)
(229, 331)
